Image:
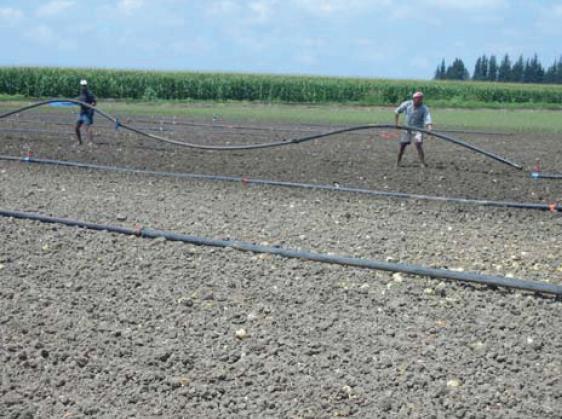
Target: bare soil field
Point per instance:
(105, 325)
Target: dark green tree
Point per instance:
(457, 71)
(492, 69)
(558, 76)
(517, 71)
(533, 71)
(441, 72)
(523, 70)
(481, 69)
(477, 74)
(538, 70)
(527, 76)
(551, 73)
(504, 71)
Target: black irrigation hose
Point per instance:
(553, 207)
(310, 128)
(270, 144)
(491, 280)
(225, 128)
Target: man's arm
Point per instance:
(427, 121)
(398, 111)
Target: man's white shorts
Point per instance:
(406, 137)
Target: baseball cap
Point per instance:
(83, 82)
(417, 94)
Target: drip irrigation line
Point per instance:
(118, 124)
(189, 124)
(144, 232)
(305, 128)
(553, 207)
(464, 131)
(48, 131)
(311, 128)
(34, 130)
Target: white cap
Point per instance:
(417, 94)
(83, 82)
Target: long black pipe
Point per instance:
(270, 144)
(226, 127)
(492, 280)
(487, 203)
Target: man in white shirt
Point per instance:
(416, 115)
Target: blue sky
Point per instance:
(375, 38)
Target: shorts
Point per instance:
(407, 136)
(86, 118)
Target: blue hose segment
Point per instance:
(541, 175)
(62, 104)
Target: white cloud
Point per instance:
(261, 10)
(313, 42)
(9, 16)
(250, 43)
(45, 36)
(466, 5)
(421, 63)
(253, 12)
(369, 51)
(434, 12)
(195, 46)
(265, 8)
(222, 7)
(42, 34)
(129, 6)
(306, 58)
(548, 21)
(488, 19)
(405, 13)
(54, 7)
(331, 7)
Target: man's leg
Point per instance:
(77, 130)
(90, 133)
(421, 155)
(401, 153)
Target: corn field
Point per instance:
(150, 85)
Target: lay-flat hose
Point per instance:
(270, 144)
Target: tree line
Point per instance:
(523, 70)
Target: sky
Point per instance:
(352, 38)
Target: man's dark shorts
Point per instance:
(86, 118)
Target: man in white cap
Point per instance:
(417, 115)
(86, 117)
